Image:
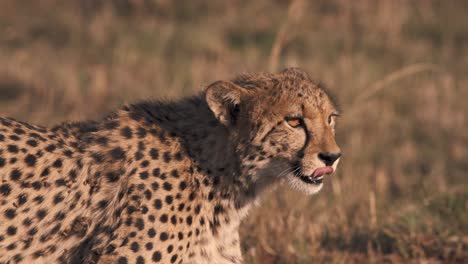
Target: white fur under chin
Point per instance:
(298, 185)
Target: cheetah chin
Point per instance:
(310, 184)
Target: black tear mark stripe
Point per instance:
(301, 153)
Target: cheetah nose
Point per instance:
(329, 158)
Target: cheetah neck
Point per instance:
(222, 165)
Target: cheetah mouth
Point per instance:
(317, 176)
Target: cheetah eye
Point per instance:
(294, 122)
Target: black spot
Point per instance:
(175, 173)
(32, 143)
(57, 163)
(141, 132)
(218, 209)
(15, 175)
(154, 153)
(181, 207)
(192, 196)
(117, 153)
(12, 149)
(174, 258)
(110, 248)
(113, 176)
(30, 160)
(210, 196)
(41, 214)
(32, 231)
(45, 172)
(169, 199)
(111, 125)
(22, 199)
(5, 189)
(155, 186)
(145, 163)
(11, 246)
(197, 209)
(11, 230)
(144, 175)
(73, 174)
(17, 258)
(131, 209)
(14, 137)
(124, 242)
(149, 246)
(163, 218)
(18, 131)
(60, 216)
(151, 232)
(58, 198)
(50, 148)
(140, 224)
(189, 220)
(27, 222)
(134, 247)
(157, 256)
(102, 141)
(36, 185)
(167, 157)
(156, 172)
(10, 213)
(60, 182)
(138, 155)
(151, 218)
(135, 197)
(38, 199)
(182, 185)
(140, 260)
(126, 132)
(97, 157)
(157, 204)
(163, 236)
(167, 186)
(2, 162)
(55, 229)
(148, 194)
(122, 260)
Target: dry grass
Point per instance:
(399, 68)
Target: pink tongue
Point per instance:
(322, 171)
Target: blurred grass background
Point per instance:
(399, 69)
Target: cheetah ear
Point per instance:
(224, 99)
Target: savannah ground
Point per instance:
(398, 68)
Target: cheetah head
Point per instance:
(282, 124)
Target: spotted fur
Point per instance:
(159, 182)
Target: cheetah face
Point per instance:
(289, 123)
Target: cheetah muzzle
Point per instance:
(162, 182)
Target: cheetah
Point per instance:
(162, 182)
